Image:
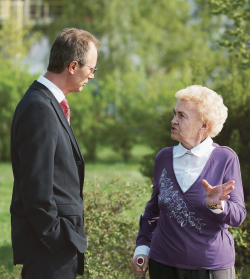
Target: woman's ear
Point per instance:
(205, 126)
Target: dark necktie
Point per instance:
(65, 107)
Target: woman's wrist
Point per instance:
(212, 206)
(215, 206)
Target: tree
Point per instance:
(88, 114)
(134, 33)
(15, 41)
(237, 27)
(234, 83)
(143, 61)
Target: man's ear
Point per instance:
(72, 67)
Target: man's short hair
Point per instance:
(71, 45)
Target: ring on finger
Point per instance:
(140, 261)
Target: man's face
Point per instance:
(83, 74)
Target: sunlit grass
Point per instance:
(105, 173)
(6, 184)
(7, 270)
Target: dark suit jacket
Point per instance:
(48, 167)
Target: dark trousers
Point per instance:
(42, 265)
(160, 271)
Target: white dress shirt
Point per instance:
(188, 165)
(58, 94)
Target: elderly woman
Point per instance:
(184, 230)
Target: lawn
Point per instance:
(109, 172)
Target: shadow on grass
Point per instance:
(7, 269)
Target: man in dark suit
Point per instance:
(47, 218)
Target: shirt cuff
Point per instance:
(218, 211)
(142, 250)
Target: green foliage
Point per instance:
(111, 233)
(237, 29)
(133, 33)
(13, 84)
(125, 110)
(117, 113)
(138, 70)
(15, 41)
(87, 115)
(4, 274)
(160, 138)
(234, 87)
(242, 246)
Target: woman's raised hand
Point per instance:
(216, 194)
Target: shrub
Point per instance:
(242, 246)
(111, 233)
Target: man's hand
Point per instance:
(139, 270)
(216, 194)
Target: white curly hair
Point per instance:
(209, 105)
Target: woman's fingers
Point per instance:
(136, 268)
(228, 190)
(228, 184)
(145, 266)
(226, 187)
(218, 193)
(206, 185)
(224, 198)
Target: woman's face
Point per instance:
(187, 127)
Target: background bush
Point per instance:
(111, 232)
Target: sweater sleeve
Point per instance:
(148, 221)
(234, 209)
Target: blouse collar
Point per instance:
(198, 150)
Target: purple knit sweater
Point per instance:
(179, 228)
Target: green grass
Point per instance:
(109, 172)
(103, 174)
(109, 165)
(6, 183)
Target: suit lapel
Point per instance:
(76, 144)
(37, 85)
(66, 125)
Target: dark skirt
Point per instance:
(160, 271)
